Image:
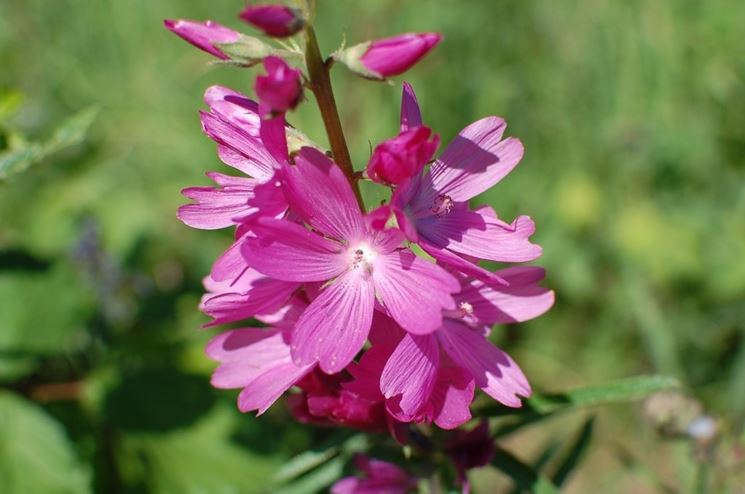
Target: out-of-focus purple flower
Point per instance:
(281, 88)
(470, 449)
(278, 21)
(399, 158)
(381, 477)
(204, 35)
(397, 54)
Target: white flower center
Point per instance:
(361, 256)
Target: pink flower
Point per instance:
(355, 264)
(398, 159)
(233, 122)
(381, 477)
(432, 208)
(279, 21)
(204, 35)
(281, 89)
(323, 401)
(395, 55)
(411, 374)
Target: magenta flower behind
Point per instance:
(204, 35)
(375, 317)
(274, 20)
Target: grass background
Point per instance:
(633, 118)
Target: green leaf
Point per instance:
(342, 442)
(35, 454)
(526, 479)
(71, 132)
(543, 406)
(201, 459)
(316, 480)
(576, 453)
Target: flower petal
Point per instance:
(475, 160)
(493, 370)
(522, 300)
(411, 372)
(318, 192)
(216, 207)
(287, 251)
(454, 261)
(413, 290)
(259, 162)
(452, 396)
(263, 391)
(244, 354)
(265, 296)
(476, 234)
(335, 325)
(411, 116)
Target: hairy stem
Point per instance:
(320, 84)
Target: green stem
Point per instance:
(320, 84)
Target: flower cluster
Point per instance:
(375, 319)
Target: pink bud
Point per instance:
(281, 88)
(398, 159)
(278, 21)
(395, 55)
(203, 35)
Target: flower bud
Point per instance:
(398, 159)
(204, 35)
(281, 88)
(278, 21)
(388, 57)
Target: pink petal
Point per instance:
(411, 372)
(335, 325)
(413, 290)
(521, 301)
(216, 207)
(274, 137)
(464, 266)
(244, 354)
(235, 108)
(475, 160)
(263, 391)
(473, 234)
(231, 264)
(287, 251)
(452, 396)
(259, 163)
(318, 191)
(264, 296)
(493, 370)
(411, 116)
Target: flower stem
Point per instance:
(320, 84)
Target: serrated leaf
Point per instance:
(36, 456)
(71, 132)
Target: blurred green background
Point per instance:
(633, 118)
